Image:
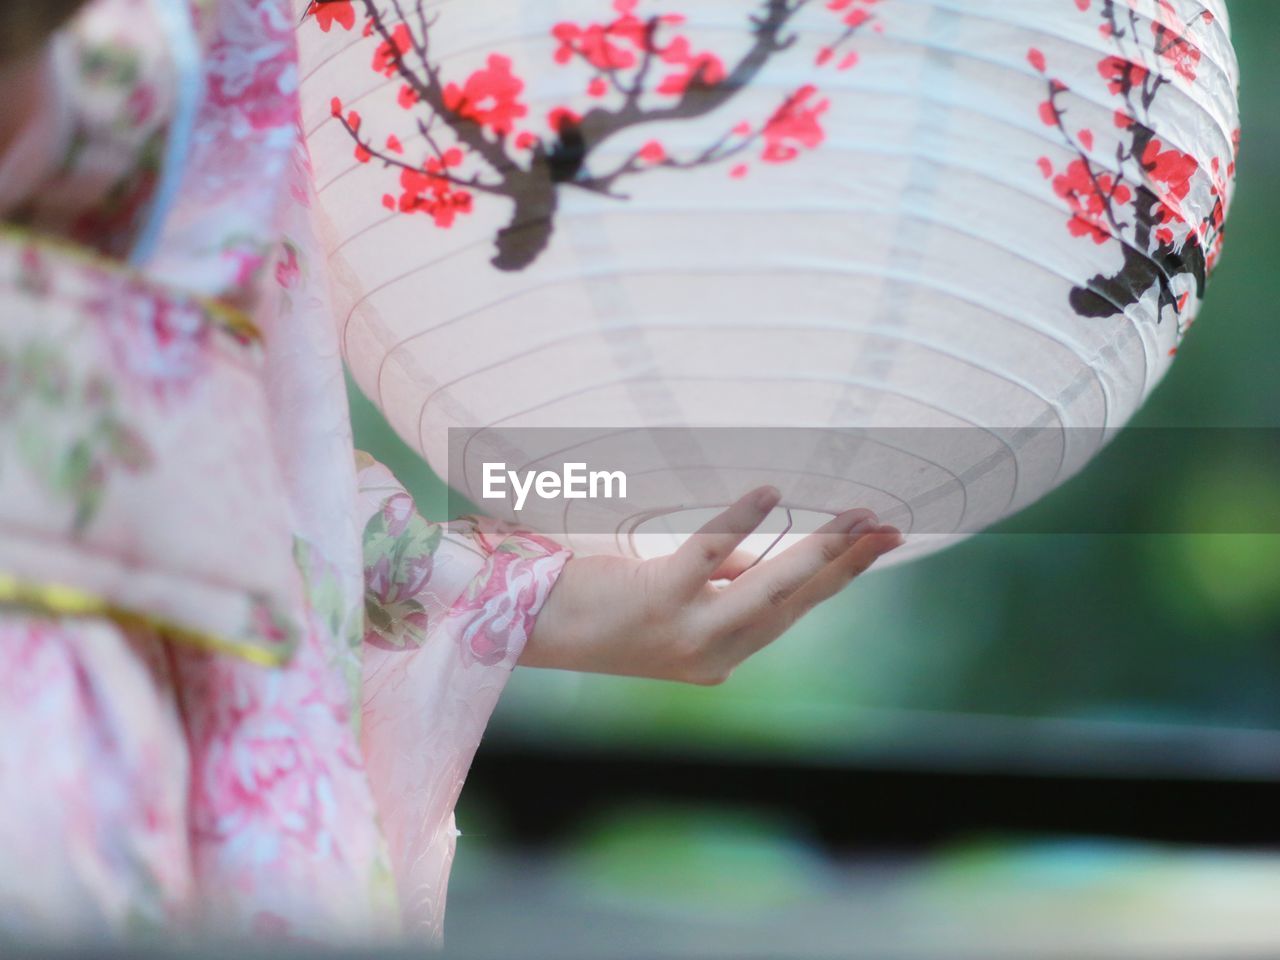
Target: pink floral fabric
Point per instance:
(105, 379)
(93, 773)
(451, 608)
(241, 679)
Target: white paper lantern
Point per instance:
(958, 240)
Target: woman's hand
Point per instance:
(664, 618)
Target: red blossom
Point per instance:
(854, 14)
(408, 97)
(653, 152)
(561, 118)
(614, 45)
(706, 68)
(609, 46)
(592, 44)
(855, 11)
(329, 12)
(1089, 196)
(427, 191)
(1171, 167)
(490, 97)
(1172, 43)
(795, 125)
(388, 54)
(620, 45)
(1172, 170)
(1121, 74)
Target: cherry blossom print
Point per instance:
(1172, 42)
(1171, 171)
(490, 98)
(341, 13)
(1122, 76)
(1091, 198)
(472, 139)
(1145, 195)
(391, 52)
(795, 127)
(854, 14)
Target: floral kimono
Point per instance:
(241, 680)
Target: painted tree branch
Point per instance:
(1162, 243)
(532, 170)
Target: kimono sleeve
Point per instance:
(449, 608)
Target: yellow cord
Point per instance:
(63, 601)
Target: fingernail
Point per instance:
(860, 529)
(767, 499)
(898, 538)
(860, 522)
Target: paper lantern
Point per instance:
(924, 257)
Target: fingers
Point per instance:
(701, 556)
(873, 545)
(739, 562)
(773, 618)
(767, 587)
